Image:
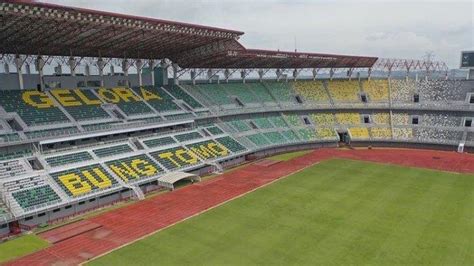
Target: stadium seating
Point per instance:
(22, 183)
(215, 94)
(261, 92)
(344, 90)
(278, 121)
(290, 135)
(282, 91)
(35, 108)
(359, 133)
(239, 125)
(82, 105)
(293, 120)
(157, 98)
(9, 137)
(55, 132)
(323, 119)
(188, 136)
(15, 154)
(381, 118)
(12, 168)
(381, 133)
(443, 91)
(178, 93)
(312, 91)
(157, 142)
(37, 196)
(376, 89)
(241, 91)
(441, 119)
(307, 134)
(402, 133)
(68, 158)
(215, 130)
(231, 144)
(80, 181)
(402, 90)
(437, 135)
(112, 151)
(262, 122)
(179, 116)
(134, 168)
(326, 133)
(348, 118)
(400, 119)
(275, 137)
(130, 103)
(176, 158)
(208, 149)
(258, 139)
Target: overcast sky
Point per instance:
(395, 29)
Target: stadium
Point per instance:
(129, 140)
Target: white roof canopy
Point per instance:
(169, 179)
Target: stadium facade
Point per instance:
(197, 102)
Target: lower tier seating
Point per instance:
(400, 119)
(293, 120)
(231, 144)
(134, 168)
(176, 158)
(239, 125)
(208, 149)
(258, 139)
(12, 168)
(359, 133)
(278, 121)
(34, 197)
(307, 134)
(262, 122)
(381, 133)
(84, 180)
(215, 130)
(402, 133)
(275, 137)
(290, 135)
(326, 133)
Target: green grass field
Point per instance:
(336, 212)
(21, 246)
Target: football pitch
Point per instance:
(335, 212)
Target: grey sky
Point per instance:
(400, 29)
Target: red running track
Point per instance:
(127, 224)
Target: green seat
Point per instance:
(69, 158)
(30, 198)
(231, 144)
(111, 151)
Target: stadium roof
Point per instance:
(35, 28)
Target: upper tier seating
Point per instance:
(282, 91)
(175, 158)
(129, 102)
(157, 98)
(241, 91)
(444, 90)
(381, 133)
(290, 135)
(34, 107)
(81, 104)
(179, 116)
(112, 151)
(208, 149)
(402, 90)
(12, 168)
(275, 137)
(36, 197)
(215, 94)
(69, 158)
(15, 154)
(134, 168)
(381, 118)
(55, 132)
(359, 133)
(377, 90)
(348, 118)
(178, 93)
(344, 90)
(84, 180)
(261, 92)
(156, 142)
(312, 91)
(231, 144)
(188, 136)
(258, 139)
(323, 119)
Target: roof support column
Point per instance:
(152, 64)
(72, 66)
(19, 63)
(193, 76)
(278, 73)
(39, 64)
(331, 73)
(139, 65)
(315, 73)
(175, 73)
(295, 74)
(349, 73)
(100, 67)
(227, 75)
(369, 73)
